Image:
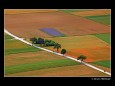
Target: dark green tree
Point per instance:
(81, 57)
(63, 51)
(34, 40)
(49, 42)
(40, 41)
(57, 46)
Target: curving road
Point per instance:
(89, 65)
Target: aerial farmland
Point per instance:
(57, 42)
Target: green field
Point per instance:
(104, 19)
(21, 50)
(73, 10)
(39, 65)
(104, 37)
(15, 46)
(7, 36)
(104, 63)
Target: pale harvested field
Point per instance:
(18, 11)
(28, 25)
(93, 12)
(95, 49)
(79, 70)
(73, 42)
(29, 57)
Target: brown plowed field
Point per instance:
(93, 12)
(93, 54)
(28, 25)
(77, 70)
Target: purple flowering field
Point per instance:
(52, 32)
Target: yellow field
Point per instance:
(73, 42)
(17, 11)
(92, 12)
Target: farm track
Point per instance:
(91, 66)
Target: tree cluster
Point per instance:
(81, 57)
(42, 42)
(46, 43)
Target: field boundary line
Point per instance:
(89, 65)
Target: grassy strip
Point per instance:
(104, 37)
(104, 19)
(21, 50)
(7, 37)
(104, 63)
(39, 65)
